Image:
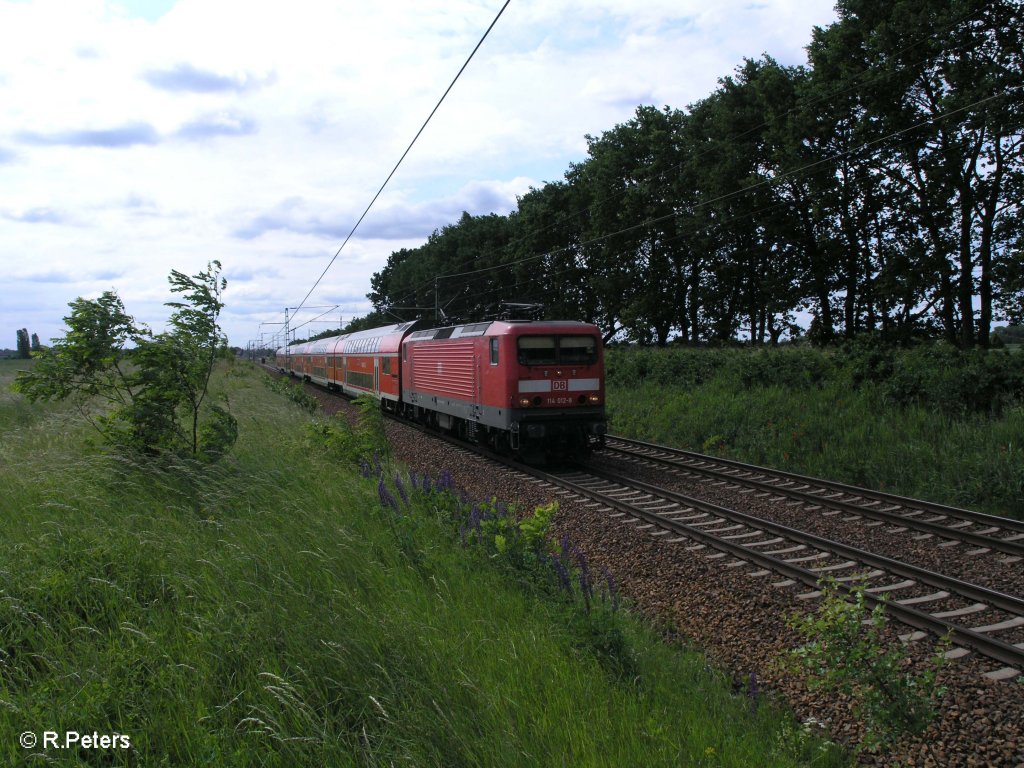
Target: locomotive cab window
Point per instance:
(536, 350)
(552, 350)
(578, 350)
(494, 351)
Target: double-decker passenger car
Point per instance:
(534, 388)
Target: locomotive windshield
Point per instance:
(552, 350)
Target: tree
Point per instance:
(23, 344)
(936, 82)
(154, 387)
(634, 255)
(89, 362)
(36, 346)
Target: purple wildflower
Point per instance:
(475, 516)
(445, 482)
(613, 592)
(387, 499)
(564, 581)
(584, 578)
(401, 488)
(566, 547)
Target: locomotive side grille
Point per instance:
(445, 368)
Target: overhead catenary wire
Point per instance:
(404, 154)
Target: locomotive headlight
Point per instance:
(524, 402)
(595, 399)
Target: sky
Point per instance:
(141, 136)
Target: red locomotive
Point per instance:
(535, 389)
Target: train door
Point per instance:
(376, 375)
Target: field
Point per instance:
(282, 608)
(933, 423)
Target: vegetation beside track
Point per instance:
(932, 422)
(281, 608)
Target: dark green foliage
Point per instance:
(153, 388)
(956, 381)
(674, 366)
(876, 189)
(23, 344)
(790, 368)
(293, 390)
(931, 422)
(937, 376)
(1010, 334)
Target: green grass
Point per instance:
(812, 418)
(269, 611)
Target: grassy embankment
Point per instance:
(932, 423)
(271, 611)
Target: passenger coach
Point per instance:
(534, 388)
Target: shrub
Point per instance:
(847, 651)
(293, 390)
(793, 368)
(957, 382)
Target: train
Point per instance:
(534, 389)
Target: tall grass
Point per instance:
(923, 423)
(267, 611)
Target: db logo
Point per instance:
(560, 386)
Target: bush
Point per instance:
(293, 390)
(670, 367)
(847, 651)
(956, 382)
(792, 368)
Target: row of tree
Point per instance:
(876, 190)
(26, 346)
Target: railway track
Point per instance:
(928, 602)
(928, 519)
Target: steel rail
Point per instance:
(991, 647)
(1010, 546)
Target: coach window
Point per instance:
(494, 351)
